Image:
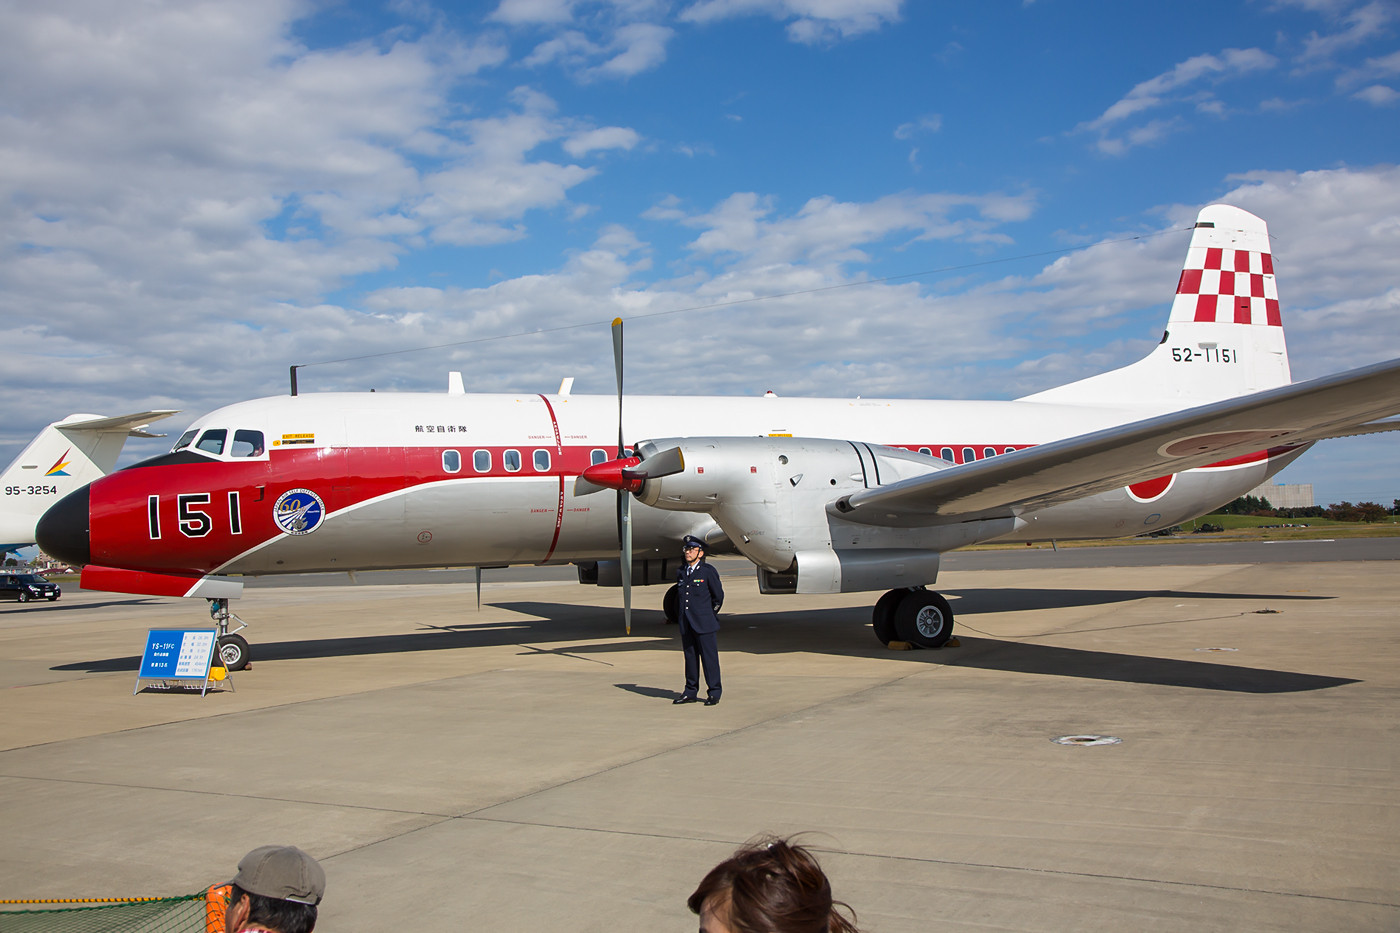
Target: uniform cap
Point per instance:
(282, 872)
(692, 541)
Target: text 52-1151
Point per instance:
(1205, 355)
(31, 490)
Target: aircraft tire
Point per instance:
(233, 651)
(670, 604)
(924, 618)
(882, 616)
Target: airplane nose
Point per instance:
(62, 531)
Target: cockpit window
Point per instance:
(246, 443)
(184, 440)
(212, 441)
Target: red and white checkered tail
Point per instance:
(1224, 336)
(1229, 273)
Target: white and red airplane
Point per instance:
(822, 495)
(64, 456)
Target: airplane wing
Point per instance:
(1074, 467)
(1379, 427)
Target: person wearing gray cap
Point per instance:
(276, 890)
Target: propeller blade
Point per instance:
(583, 487)
(624, 497)
(617, 364)
(626, 506)
(667, 462)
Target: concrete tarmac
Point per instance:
(522, 767)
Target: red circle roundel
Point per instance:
(1151, 489)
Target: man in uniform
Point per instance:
(699, 595)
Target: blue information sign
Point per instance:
(178, 654)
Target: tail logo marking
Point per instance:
(60, 466)
(1244, 279)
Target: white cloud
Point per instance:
(635, 48)
(929, 123)
(1360, 25)
(809, 21)
(606, 137)
(518, 12)
(1378, 95)
(1168, 89)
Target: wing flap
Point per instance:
(1075, 467)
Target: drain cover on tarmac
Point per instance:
(1087, 740)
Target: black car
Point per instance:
(27, 586)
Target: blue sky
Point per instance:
(197, 195)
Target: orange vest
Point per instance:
(216, 907)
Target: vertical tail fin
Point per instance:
(65, 456)
(1224, 336)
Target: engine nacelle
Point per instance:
(770, 495)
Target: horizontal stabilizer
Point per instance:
(133, 423)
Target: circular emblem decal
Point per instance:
(298, 511)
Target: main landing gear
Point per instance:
(915, 615)
(233, 648)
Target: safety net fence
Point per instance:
(185, 914)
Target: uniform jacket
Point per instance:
(699, 598)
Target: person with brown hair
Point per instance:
(769, 886)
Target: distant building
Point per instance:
(1295, 496)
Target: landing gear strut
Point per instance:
(919, 616)
(233, 648)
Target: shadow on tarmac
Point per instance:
(60, 606)
(829, 631)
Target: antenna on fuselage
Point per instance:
(294, 379)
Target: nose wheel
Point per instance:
(233, 648)
(918, 616)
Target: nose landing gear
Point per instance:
(918, 616)
(233, 648)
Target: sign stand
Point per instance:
(180, 659)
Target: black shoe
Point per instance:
(684, 699)
(712, 701)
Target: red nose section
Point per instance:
(616, 474)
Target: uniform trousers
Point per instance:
(701, 650)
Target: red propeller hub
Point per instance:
(616, 474)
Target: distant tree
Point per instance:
(1247, 505)
(1343, 512)
(1395, 510)
(11, 562)
(1371, 511)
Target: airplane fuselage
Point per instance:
(381, 480)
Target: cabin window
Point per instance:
(184, 441)
(925, 451)
(481, 461)
(212, 441)
(511, 460)
(542, 461)
(451, 461)
(597, 455)
(947, 454)
(989, 451)
(246, 443)
(969, 455)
